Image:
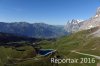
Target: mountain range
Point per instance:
(36, 30)
(76, 25)
(42, 30)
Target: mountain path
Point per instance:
(97, 57)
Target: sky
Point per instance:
(55, 12)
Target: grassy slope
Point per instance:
(81, 41)
(9, 55)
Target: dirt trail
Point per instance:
(97, 57)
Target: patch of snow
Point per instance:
(79, 20)
(91, 26)
(96, 15)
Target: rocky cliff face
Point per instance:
(98, 12)
(92, 22)
(76, 25)
(73, 25)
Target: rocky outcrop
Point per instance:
(77, 25)
(73, 25)
(92, 22)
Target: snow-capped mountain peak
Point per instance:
(77, 25)
(73, 25)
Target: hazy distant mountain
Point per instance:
(37, 30)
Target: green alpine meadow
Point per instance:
(49, 32)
